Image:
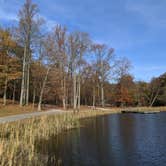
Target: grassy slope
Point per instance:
(14, 110)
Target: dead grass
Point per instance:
(15, 110)
(145, 109)
(19, 139)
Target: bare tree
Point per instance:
(103, 57)
(49, 58)
(121, 68)
(78, 45)
(27, 31)
(61, 53)
(154, 89)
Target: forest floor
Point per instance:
(14, 109)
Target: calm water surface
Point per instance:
(112, 140)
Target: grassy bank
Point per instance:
(19, 139)
(144, 109)
(15, 110)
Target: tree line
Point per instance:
(66, 68)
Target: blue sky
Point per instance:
(135, 28)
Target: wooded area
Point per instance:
(67, 68)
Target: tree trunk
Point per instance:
(74, 92)
(63, 84)
(155, 97)
(22, 96)
(34, 97)
(64, 94)
(14, 91)
(94, 97)
(79, 92)
(27, 90)
(102, 95)
(42, 89)
(98, 94)
(5, 92)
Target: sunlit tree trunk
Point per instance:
(74, 92)
(94, 97)
(79, 92)
(102, 95)
(22, 96)
(42, 89)
(28, 79)
(63, 87)
(64, 93)
(154, 98)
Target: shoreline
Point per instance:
(29, 112)
(20, 137)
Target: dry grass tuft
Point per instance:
(1, 148)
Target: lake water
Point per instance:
(112, 140)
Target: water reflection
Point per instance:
(120, 139)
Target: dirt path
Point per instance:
(13, 118)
